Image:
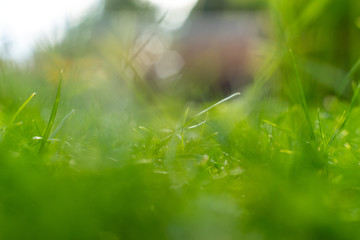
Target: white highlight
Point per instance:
(177, 11)
(173, 4)
(23, 22)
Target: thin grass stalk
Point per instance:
(50, 124)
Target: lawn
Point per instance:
(87, 152)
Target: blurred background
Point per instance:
(192, 49)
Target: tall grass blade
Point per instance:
(52, 116)
(182, 129)
(22, 107)
(321, 128)
(344, 118)
(302, 96)
(36, 127)
(336, 130)
(17, 113)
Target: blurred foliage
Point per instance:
(228, 5)
(112, 6)
(324, 36)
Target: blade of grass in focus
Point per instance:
(209, 108)
(186, 124)
(48, 128)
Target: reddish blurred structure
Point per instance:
(220, 50)
(213, 53)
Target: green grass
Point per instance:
(112, 159)
(302, 97)
(12, 121)
(121, 171)
(47, 131)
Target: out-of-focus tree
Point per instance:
(116, 6)
(228, 5)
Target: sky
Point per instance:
(173, 4)
(24, 22)
(177, 11)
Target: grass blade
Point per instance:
(22, 107)
(182, 130)
(197, 125)
(18, 112)
(61, 124)
(219, 102)
(186, 125)
(52, 116)
(343, 119)
(148, 131)
(336, 131)
(286, 131)
(321, 128)
(209, 108)
(302, 96)
(36, 127)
